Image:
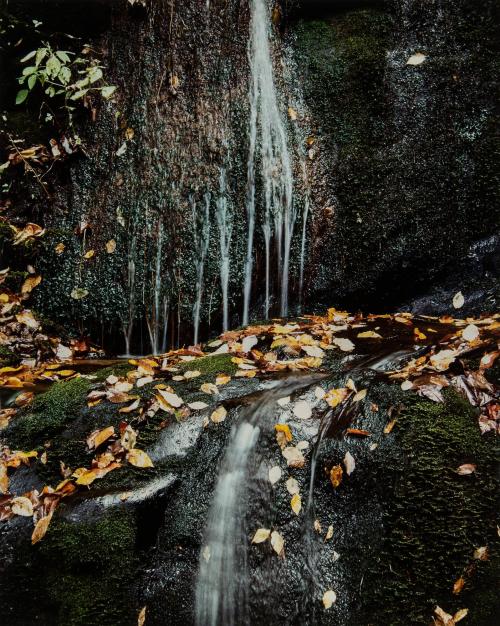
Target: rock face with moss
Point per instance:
(397, 159)
(404, 516)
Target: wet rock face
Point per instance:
(403, 516)
(407, 149)
(399, 160)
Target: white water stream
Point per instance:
(269, 152)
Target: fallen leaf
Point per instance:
(89, 254)
(197, 406)
(459, 615)
(389, 426)
(302, 410)
(336, 475)
(79, 293)
(466, 468)
(296, 503)
(59, 248)
(274, 474)
(222, 379)
(285, 429)
(416, 59)
(40, 529)
(294, 457)
(349, 463)
(329, 533)
(219, 415)
(261, 535)
(369, 334)
(97, 437)
(481, 554)
(130, 407)
(30, 283)
(110, 246)
(470, 333)
(22, 506)
(458, 300)
(292, 486)
(172, 398)
(329, 598)
(139, 458)
(357, 432)
(361, 395)
(141, 618)
(278, 543)
(248, 343)
(458, 586)
(345, 345)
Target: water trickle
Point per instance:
(201, 236)
(154, 321)
(269, 150)
(225, 225)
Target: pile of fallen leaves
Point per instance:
(445, 348)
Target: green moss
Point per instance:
(434, 518)
(213, 364)
(49, 413)
(89, 569)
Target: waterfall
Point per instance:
(269, 149)
(154, 323)
(223, 588)
(225, 225)
(201, 235)
(305, 215)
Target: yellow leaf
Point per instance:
(285, 429)
(296, 503)
(335, 396)
(458, 586)
(329, 533)
(96, 438)
(60, 248)
(40, 529)
(369, 334)
(139, 458)
(292, 114)
(329, 598)
(89, 254)
(336, 475)
(141, 618)
(222, 379)
(22, 506)
(389, 426)
(219, 415)
(459, 615)
(30, 283)
(4, 479)
(361, 395)
(278, 543)
(261, 534)
(111, 246)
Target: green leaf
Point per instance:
(95, 74)
(41, 53)
(31, 81)
(64, 75)
(21, 96)
(63, 56)
(79, 94)
(29, 56)
(29, 70)
(53, 66)
(108, 91)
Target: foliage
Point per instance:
(62, 73)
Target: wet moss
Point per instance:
(213, 364)
(7, 357)
(76, 556)
(434, 519)
(49, 414)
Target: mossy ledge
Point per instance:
(434, 519)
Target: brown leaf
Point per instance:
(40, 529)
(336, 475)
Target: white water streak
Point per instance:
(225, 224)
(201, 230)
(268, 146)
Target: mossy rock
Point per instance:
(7, 357)
(212, 364)
(435, 518)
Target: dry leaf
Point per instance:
(141, 618)
(97, 437)
(278, 543)
(389, 426)
(369, 334)
(458, 586)
(222, 379)
(481, 554)
(139, 458)
(111, 246)
(302, 410)
(219, 415)
(296, 503)
(349, 463)
(416, 59)
(292, 486)
(294, 457)
(285, 429)
(458, 300)
(197, 406)
(22, 506)
(329, 598)
(466, 468)
(172, 398)
(274, 474)
(261, 535)
(470, 333)
(40, 529)
(336, 475)
(329, 533)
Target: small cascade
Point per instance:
(269, 152)
(223, 586)
(154, 321)
(128, 324)
(305, 215)
(201, 236)
(225, 225)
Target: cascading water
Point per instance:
(201, 233)
(225, 225)
(269, 150)
(222, 592)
